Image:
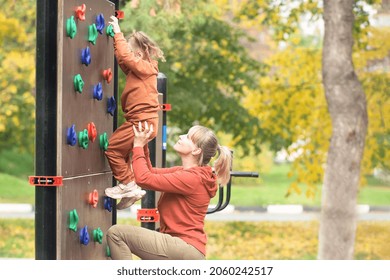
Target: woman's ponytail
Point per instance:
(222, 165)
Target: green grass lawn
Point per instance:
(272, 187)
(16, 190)
(234, 240)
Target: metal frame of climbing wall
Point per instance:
(71, 220)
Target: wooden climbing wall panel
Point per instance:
(83, 51)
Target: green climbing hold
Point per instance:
(108, 252)
(103, 141)
(83, 139)
(92, 33)
(78, 83)
(71, 27)
(110, 31)
(98, 235)
(73, 220)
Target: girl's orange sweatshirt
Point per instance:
(185, 197)
(140, 96)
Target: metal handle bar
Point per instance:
(222, 205)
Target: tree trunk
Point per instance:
(348, 111)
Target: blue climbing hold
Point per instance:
(84, 236)
(100, 23)
(86, 56)
(98, 91)
(71, 136)
(111, 105)
(108, 203)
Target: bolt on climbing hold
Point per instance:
(73, 220)
(84, 236)
(86, 56)
(100, 23)
(98, 235)
(107, 75)
(71, 136)
(103, 141)
(93, 198)
(98, 92)
(108, 203)
(71, 28)
(80, 12)
(92, 33)
(111, 105)
(78, 83)
(83, 139)
(92, 132)
(108, 252)
(110, 31)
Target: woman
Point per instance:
(186, 193)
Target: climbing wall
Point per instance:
(85, 110)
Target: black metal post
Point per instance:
(149, 200)
(116, 74)
(162, 88)
(46, 127)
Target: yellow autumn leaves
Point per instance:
(234, 240)
(17, 77)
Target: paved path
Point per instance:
(230, 214)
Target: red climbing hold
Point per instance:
(107, 75)
(80, 12)
(93, 198)
(92, 132)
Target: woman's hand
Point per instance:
(141, 136)
(115, 24)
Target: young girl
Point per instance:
(139, 101)
(186, 193)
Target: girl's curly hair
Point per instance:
(146, 44)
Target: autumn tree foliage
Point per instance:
(207, 66)
(17, 74)
(289, 100)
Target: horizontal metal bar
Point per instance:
(244, 174)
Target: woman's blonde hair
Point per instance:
(147, 45)
(206, 140)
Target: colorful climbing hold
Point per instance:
(92, 33)
(100, 23)
(78, 83)
(93, 198)
(108, 203)
(107, 75)
(98, 235)
(73, 220)
(92, 132)
(80, 12)
(110, 31)
(71, 135)
(103, 141)
(84, 236)
(98, 92)
(111, 105)
(83, 139)
(71, 27)
(86, 56)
